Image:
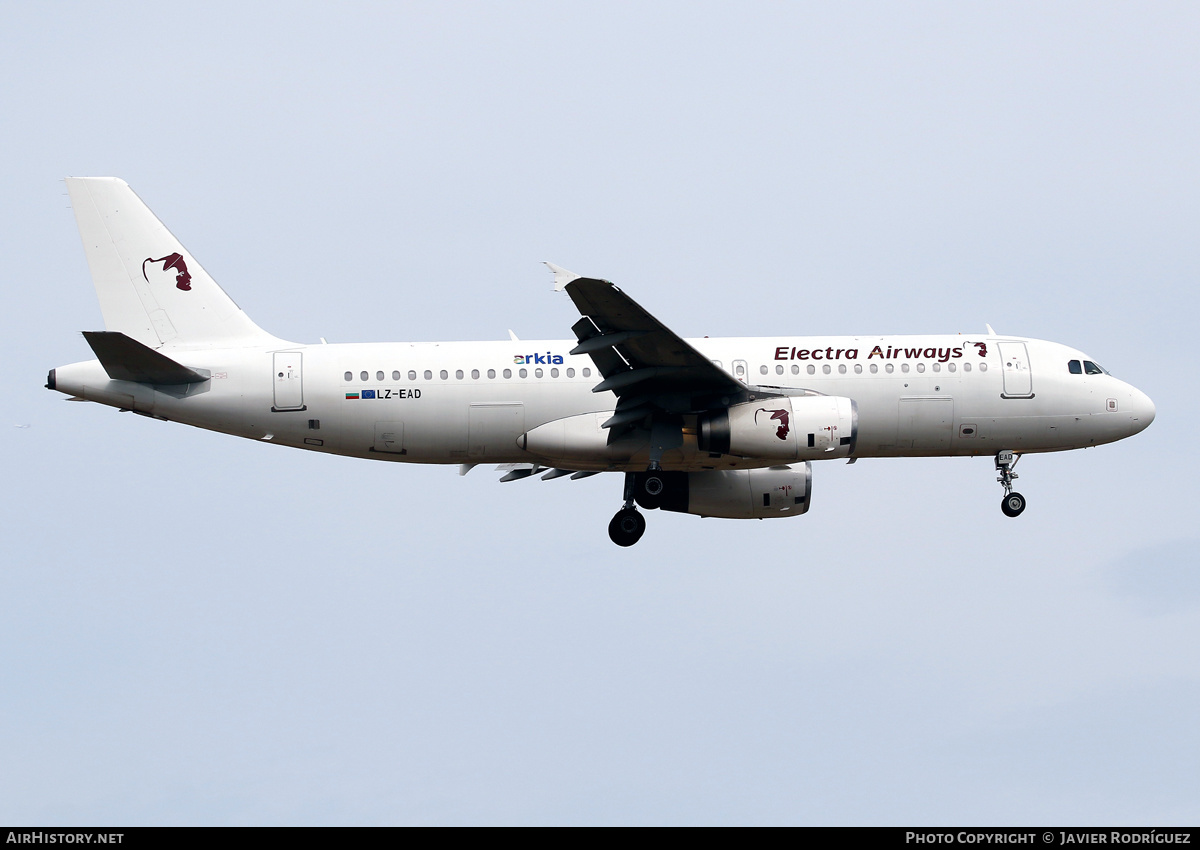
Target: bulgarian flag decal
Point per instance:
(352, 395)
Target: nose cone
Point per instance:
(1141, 410)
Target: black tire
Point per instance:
(1013, 504)
(650, 489)
(627, 527)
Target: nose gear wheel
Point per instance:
(1013, 504)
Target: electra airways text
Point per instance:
(713, 427)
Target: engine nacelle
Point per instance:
(788, 429)
(733, 494)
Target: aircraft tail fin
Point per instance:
(150, 288)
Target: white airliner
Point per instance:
(713, 427)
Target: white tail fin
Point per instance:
(150, 287)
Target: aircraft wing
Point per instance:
(642, 361)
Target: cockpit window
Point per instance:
(1090, 368)
(1075, 368)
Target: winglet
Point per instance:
(990, 331)
(562, 277)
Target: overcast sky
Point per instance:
(201, 629)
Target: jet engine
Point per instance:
(733, 494)
(786, 429)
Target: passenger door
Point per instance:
(1014, 360)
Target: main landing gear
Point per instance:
(1013, 503)
(628, 526)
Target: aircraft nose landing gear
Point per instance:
(628, 526)
(1013, 503)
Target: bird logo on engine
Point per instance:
(776, 415)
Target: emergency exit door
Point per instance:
(289, 381)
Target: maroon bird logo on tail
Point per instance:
(782, 415)
(183, 280)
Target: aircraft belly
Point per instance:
(925, 424)
(493, 429)
(476, 423)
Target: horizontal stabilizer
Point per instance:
(126, 359)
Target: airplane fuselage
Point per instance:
(470, 402)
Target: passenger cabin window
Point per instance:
(364, 376)
(570, 373)
(443, 374)
(396, 375)
(1090, 368)
(412, 374)
(428, 375)
(349, 376)
(508, 373)
(491, 373)
(524, 373)
(762, 370)
(1074, 368)
(458, 373)
(474, 374)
